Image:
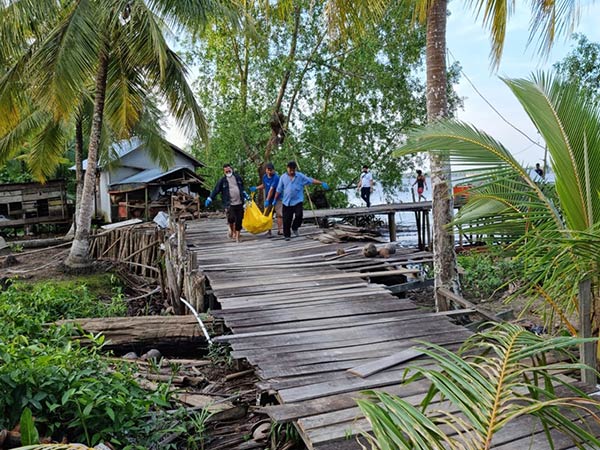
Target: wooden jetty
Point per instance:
(319, 328)
(420, 209)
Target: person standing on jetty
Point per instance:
(421, 184)
(539, 170)
(291, 190)
(231, 188)
(269, 184)
(365, 184)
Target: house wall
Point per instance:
(103, 198)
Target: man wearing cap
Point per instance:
(269, 184)
(291, 190)
(231, 188)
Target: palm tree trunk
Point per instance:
(79, 257)
(78, 163)
(444, 256)
(78, 173)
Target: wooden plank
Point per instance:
(335, 321)
(277, 279)
(587, 350)
(374, 367)
(381, 327)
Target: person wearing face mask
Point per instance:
(365, 184)
(231, 188)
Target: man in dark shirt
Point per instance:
(231, 188)
(539, 170)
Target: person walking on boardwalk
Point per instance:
(231, 188)
(270, 181)
(365, 184)
(421, 184)
(291, 190)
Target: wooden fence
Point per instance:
(158, 254)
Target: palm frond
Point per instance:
(569, 123)
(495, 15)
(65, 62)
(471, 148)
(46, 151)
(497, 377)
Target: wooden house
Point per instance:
(24, 204)
(132, 185)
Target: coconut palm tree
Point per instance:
(117, 48)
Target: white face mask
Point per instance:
(228, 174)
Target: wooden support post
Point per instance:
(146, 214)
(126, 205)
(419, 225)
(587, 350)
(428, 229)
(392, 226)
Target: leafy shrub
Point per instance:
(486, 274)
(71, 390)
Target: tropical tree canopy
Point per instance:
(544, 223)
(345, 104)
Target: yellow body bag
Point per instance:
(254, 220)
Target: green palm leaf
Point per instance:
(497, 377)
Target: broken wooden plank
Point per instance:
(373, 367)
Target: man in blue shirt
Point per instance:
(291, 190)
(269, 184)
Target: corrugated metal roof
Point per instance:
(149, 175)
(122, 148)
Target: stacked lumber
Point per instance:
(184, 206)
(346, 233)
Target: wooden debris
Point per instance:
(143, 330)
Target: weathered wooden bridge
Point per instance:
(319, 328)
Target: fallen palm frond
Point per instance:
(497, 377)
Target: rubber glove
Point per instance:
(325, 186)
(252, 188)
(246, 196)
(207, 202)
(267, 203)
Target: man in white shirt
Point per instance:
(365, 184)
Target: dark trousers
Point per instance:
(292, 218)
(365, 194)
(235, 214)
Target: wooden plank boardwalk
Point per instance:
(304, 315)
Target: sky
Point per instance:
(468, 43)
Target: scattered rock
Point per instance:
(261, 432)
(130, 355)
(151, 354)
(370, 251)
(340, 251)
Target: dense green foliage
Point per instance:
(486, 275)
(344, 105)
(582, 66)
(71, 390)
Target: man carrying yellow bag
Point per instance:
(269, 184)
(254, 220)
